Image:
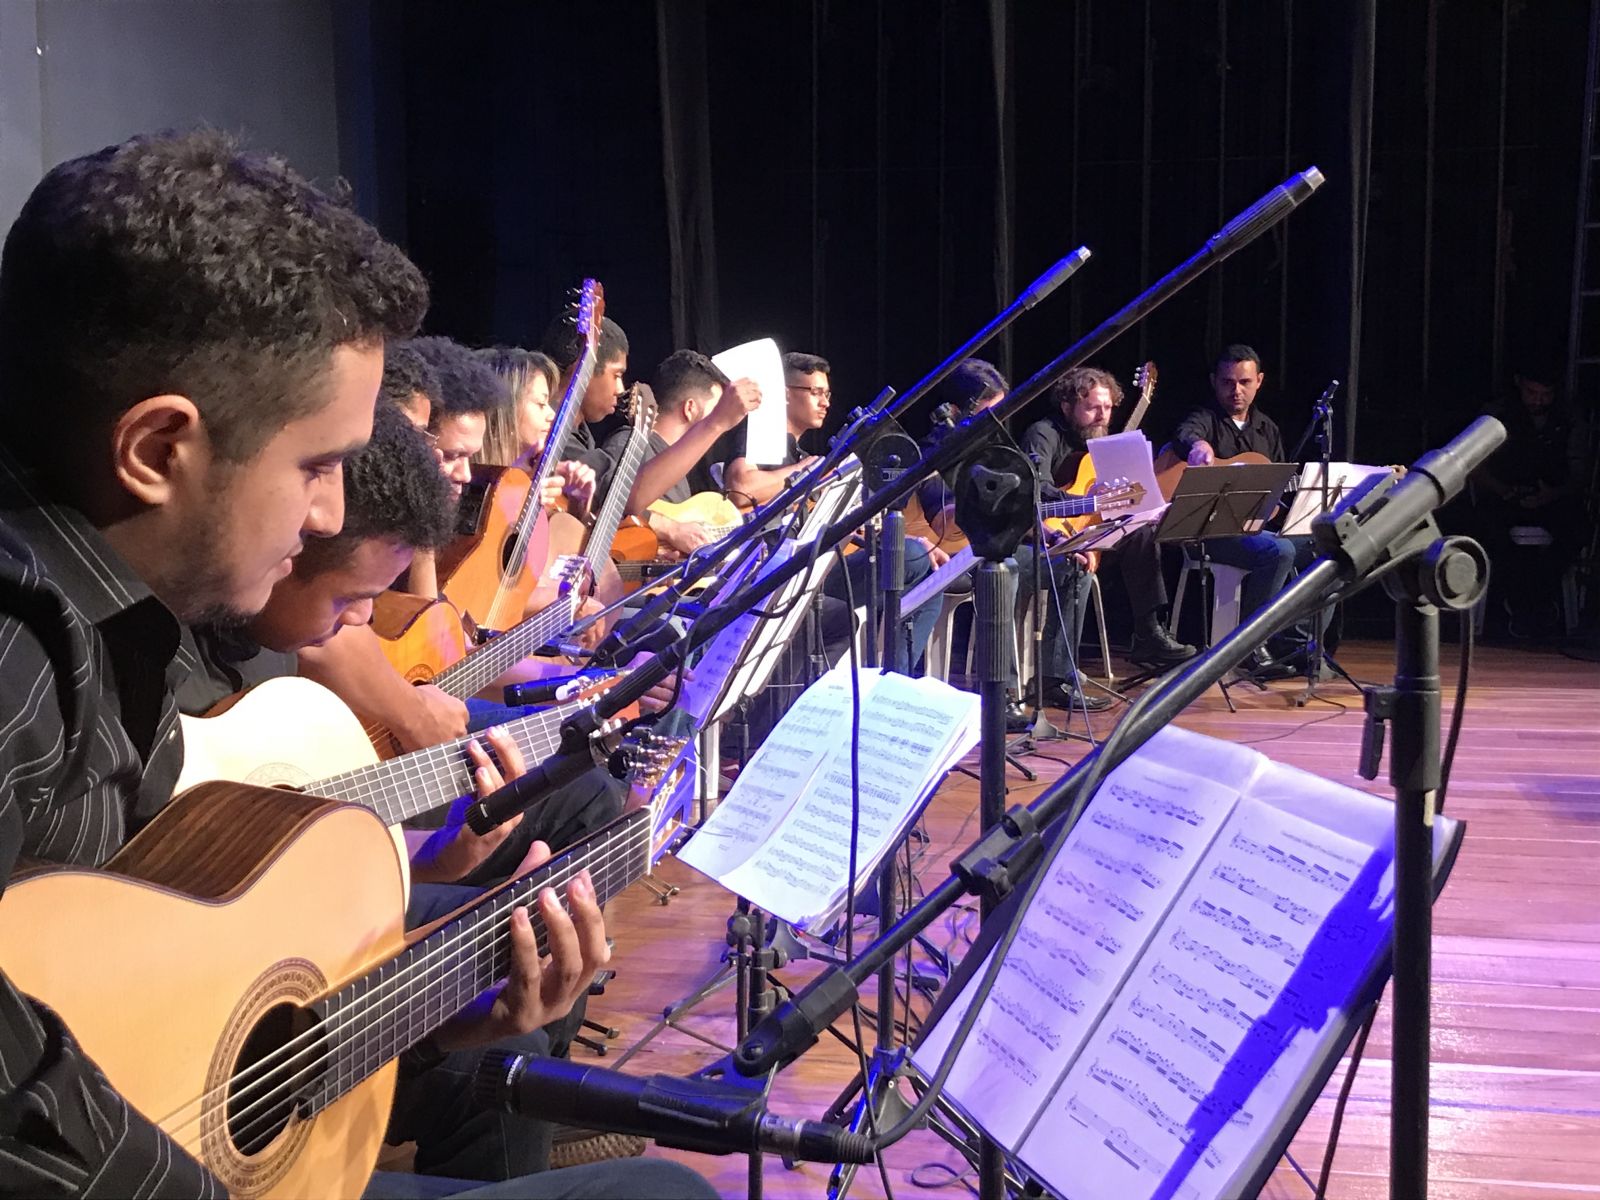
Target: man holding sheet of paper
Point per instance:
(1084, 399)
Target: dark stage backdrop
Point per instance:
(871, 180)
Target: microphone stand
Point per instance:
(580, 729)
(1386, 529)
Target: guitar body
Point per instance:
(231, 903)
(1080, 483)
(420, 637)
(940, 528)
(470, 568)
(283, 733)
(1170, 468)
(711, 509)
(635, 542)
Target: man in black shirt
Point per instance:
(1084, 400)
(211, 329)
(696, 404)
(1229, 426)
(606, 386)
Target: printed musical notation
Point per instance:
(1182, 942)
(1335, 881)
(1247, 932)
(1217, 1006)
(1174, 1025)
(1119, 866)
(1053, 988)
(1250, 886)
(1092, 930)
(1047, 945)
(1119, 1143)
(1163, 1065)
(1136, 1096)
(1156, 805)
(1007, 1057)
(1139, 837)
(1030, 1022)
(1098, 895)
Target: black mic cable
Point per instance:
(685, 1114)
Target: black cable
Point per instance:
(850, 887)
(1459, 709)
(1344, 1096)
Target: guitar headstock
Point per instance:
(1144, 378)
(590, 313)
(570, 573)
(1112, 494)
(638, 405)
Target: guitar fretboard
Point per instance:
(500, 653)
(412, 784)
(374, 1019)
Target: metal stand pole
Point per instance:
(995, 597)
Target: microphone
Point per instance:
(618, 645)
(685, 1114)
(1054, 277)
(944, 414)
(1265, 212)
(579, 751)
(554, 689)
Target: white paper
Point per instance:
(1342, 477)
(1207, 1041)
(766, 438)
(1107, 892)
(721, 656)
(1127, 456)
(785, 845)
(772, 780)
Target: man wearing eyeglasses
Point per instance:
(806, 394)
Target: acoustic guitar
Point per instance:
(1170, 468)
(491, 569)
(242, 974)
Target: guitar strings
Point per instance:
(486, 924)
(483, 927)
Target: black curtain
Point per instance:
(870, 181)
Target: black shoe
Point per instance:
(1017, 718)
(1059, 693)
(1263, 668)
(1159, 649)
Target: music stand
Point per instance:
(1221, 502)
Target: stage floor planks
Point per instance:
(1516, 1015)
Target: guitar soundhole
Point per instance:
(273, 1074)
(469, 509)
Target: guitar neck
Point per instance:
(398, 789)
(374, 1019)
(598, 547)
(1072, 506)
(499, 654)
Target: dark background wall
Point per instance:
(871, 179)
(76, 75)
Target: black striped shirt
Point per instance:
(89, 752)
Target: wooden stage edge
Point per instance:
(1516, 1003)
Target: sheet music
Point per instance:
(772, 780)
(720, 657)
(1127, 456)
(1207, 1039)
(767, 429)
(1307, 505)
(781, 839)
(1108, 890)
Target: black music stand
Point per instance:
(1221, 502)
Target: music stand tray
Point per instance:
(1216, 502)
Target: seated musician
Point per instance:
(514, 433)
(563, 345)
(1230, 425)
(696, 404)
(181, 307)
(1083, 400)
(807, 395)
(973, 386)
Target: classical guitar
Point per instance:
(1170, 468)
(293, 733)
(493, 567)
(242, 974)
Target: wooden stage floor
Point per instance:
(1516, 1013)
